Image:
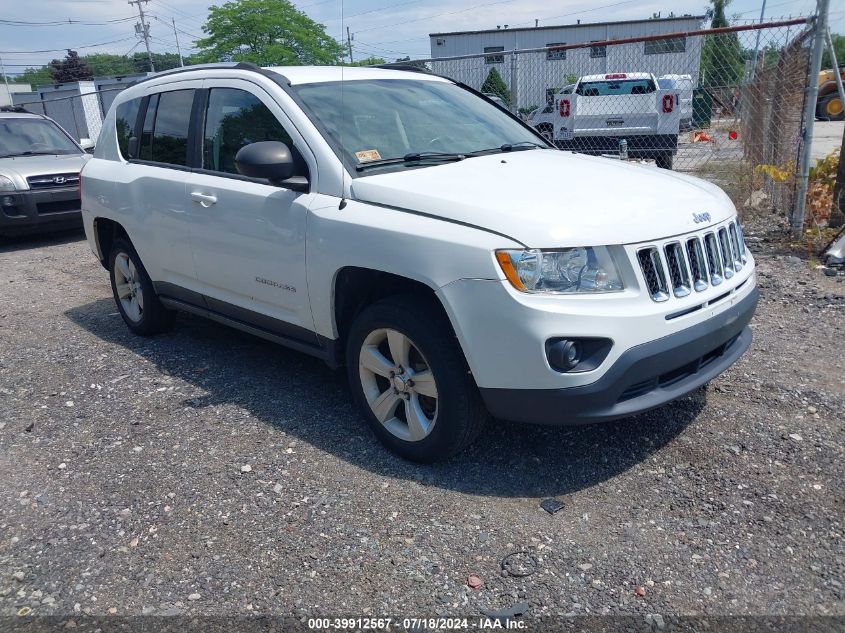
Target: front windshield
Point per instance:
(20, 136)
(381, 119)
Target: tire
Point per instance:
(448, 410)
(664, 160)
(829, 108)
(134, 294)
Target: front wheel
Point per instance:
(410, 380)
(664, 160)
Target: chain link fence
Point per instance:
(721, 104)
(725, 105)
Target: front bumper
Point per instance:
(642, 378)
(638, 145)
(30, 211)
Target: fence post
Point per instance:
(809, 117)
(514, 104)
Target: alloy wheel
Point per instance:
(127, 283)
(398, 384)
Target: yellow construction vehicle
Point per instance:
(829, 105)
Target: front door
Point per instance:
(248, 236)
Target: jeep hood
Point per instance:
(549, 198)
(19, 168)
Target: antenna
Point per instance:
(342, 204)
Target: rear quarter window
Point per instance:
(126, 117)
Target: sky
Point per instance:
(383, 28)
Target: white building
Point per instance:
(7, 90)
(530, 77)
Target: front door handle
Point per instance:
(205, 199)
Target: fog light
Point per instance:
(8, 201)
(564, 355)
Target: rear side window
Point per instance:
(170, 131)
(235, 118)
(146, 152)
(126, 117)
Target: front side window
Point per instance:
(125, 120)
(21, 136)
(494, 59)
(391, 118)
(235, 118)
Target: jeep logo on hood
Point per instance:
(698, 218)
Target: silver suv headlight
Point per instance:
(6, 184)
(561, 271)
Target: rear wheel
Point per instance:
(830, 108)
(410, 380)
(664, 160)
(134, 293)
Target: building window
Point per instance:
(599, 51)
(556, 54)
(669, 45)
(494, 59)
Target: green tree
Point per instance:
(266, 32)
(722, 57)
(162, 61)
(34, 77)
(369, 61)
(71, 68)
(495, 85)
(839, 47)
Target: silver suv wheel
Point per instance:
(128, 287)
(398, 384)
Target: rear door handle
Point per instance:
(205, 199)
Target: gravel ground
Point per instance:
(208, 472)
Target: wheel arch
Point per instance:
(354, 288)
(106, 231)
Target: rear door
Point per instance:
(613, 106)
(157, 183)
(247, 235)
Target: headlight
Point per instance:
(6, 184)
(568, 270)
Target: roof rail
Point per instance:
(185, 69)
(14, 108)
(410, 68)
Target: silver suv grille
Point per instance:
(694, 263)
(53, 181)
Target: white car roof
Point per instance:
(319, 74)
(615, 76)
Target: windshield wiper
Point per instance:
(508, 147)
(413, 157)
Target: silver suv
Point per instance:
(39, 174)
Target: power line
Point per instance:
(65, 48)
(63, 22)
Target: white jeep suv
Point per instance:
(402, 225)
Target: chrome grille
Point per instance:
(678, 271)
(694, 263)
(697, 264)
(735, 246)
(655, 278)
(725, 250)
(53, 181)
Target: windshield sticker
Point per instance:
(368, 155)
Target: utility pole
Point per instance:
(757, 43)
(809, 117)
(142, 29)
(178, 48)
(349, 44)
(6, 80)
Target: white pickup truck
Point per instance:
(603, 110)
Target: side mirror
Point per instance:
(271, 160)
(86, 144)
